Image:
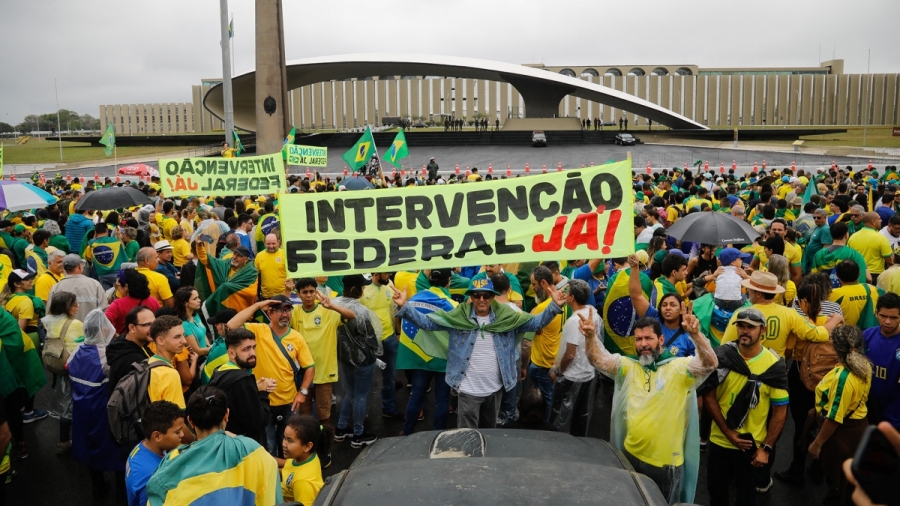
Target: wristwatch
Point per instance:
(304, 391)
(766, 448)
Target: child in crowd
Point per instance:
(728, 279)
(163, 423)
(301, 477)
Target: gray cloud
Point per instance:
(105, 52)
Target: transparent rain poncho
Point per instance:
(99, 331)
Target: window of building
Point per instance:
(683, 71)
(589, 73)
(613, 72)
(567, 72)
(637, 71)
(660, 71)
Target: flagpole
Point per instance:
(225, 46)
(231, 41)
(375, 148)
(58, 131)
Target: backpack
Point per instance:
(127, 403)
(818, 360)
(55, 355)
(354, 349)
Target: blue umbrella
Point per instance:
(357, 183)
(16, 196)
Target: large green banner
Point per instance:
(310, 156)
(220, 177)
(557, 216)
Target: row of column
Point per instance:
(143, 119)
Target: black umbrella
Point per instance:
(356, 183)
(708, 227)
(114, 197)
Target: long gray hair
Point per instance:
(848, 344)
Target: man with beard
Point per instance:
(747, 397)
(283, 356)
(247, 396)
(130, 347)
(657, 387)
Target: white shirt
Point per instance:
(482, 377)
(579, 369)
(891, 239)
(728, 284)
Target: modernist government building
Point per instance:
(713, 97)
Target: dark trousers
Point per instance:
(14, 403)
(802, 400)
(278, 418)
(669, 479)
(573, 403)
(726, 465)
(540, 377)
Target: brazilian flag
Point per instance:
(458, 285)
(20, 363)
(361, 152)
(238, 147)
(218, 469)
(107, 255)
(713, 319)
(619, 314)
(218, 288)
(423, 349)
(109, 139)
(398, 150)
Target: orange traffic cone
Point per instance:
(793, 166)
(68, 177)
(734, 164)
(12, 177)
(706, 166)
(490, 169)
(96, 176)
(870, 165)
(527, 169)
(457, 168)
(118, 179)
(508, 171)
(764, 164)
(722, 168)
(544, 170)
(649, 170)
(345, 171)
(833, 165)
(559, 167)
(755, 168)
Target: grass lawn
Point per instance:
(42, 151)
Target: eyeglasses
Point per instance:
(283, 310)
(482, 295)
(143, 324)
(647, 384)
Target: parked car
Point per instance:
(625, 139)
(538, 138)
(419, 124)
(491, 466)
(608, 123)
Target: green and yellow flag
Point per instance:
(238, 147)
(288, 141)
(109, 139)
(361, 152)
(398, 150)
(811, 189)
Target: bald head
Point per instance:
(872, 220)
(271, 243)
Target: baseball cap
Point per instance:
(785, 179)
(283, 302)
(72, 261)
(223, 316)
(357, 280)
(729, 255)
(162, 245)
(242, 250)
(481, 285)
(751, 316)
(20, 275)
(19, 228)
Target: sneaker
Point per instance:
(396, 415)
(325, 460)
(34, 416)
(421, 414)
(364, 439)
(791, 477)
(342, 434)
(765, 489)
(19, 451)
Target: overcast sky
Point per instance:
(128, 51)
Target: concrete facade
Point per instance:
(711, 96)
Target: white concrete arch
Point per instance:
(541, 90)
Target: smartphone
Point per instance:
(206, 238)
(876, 467)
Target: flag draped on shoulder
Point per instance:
(20, 362)
(361, 152)
(109, 139)
(218, 288)
(398, 150)
(238, 147)
(218, 469)
(288, 141)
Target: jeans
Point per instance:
(388, 383)
(669, 479)
(508, 411)
(478, 412)
(725, 465)
(420, 381)
(278, 418)
(356, 383)
(540, 376)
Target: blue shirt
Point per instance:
(141, 465)
(682, 345)
(885, 213)
(584, 273)
(884, 397)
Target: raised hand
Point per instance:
(586, 325)
(399, 296)
(323, 299)
(633, 262)
(690, 323)
(559, 296)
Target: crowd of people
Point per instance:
(184, 360)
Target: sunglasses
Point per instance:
(746, 315)
(482, 295)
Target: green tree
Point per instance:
(6, 128)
